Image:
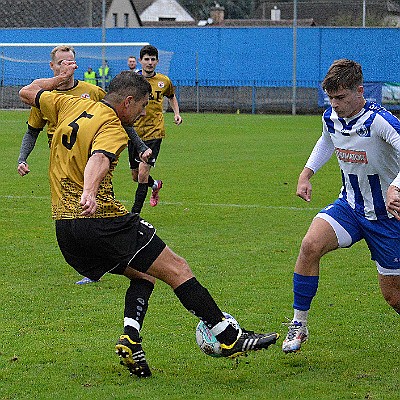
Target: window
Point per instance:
(115, 20)
(126, 20)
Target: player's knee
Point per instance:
(142, 179)
(182, 266)
(179, 271)
(171, 268)
(310, 248)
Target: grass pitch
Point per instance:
(228, 206)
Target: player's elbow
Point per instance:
(26, 96)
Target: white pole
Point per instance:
(364, 13)
(197, 84)
(294, 76)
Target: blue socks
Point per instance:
(304, 289)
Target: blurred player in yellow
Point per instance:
(151, 127)
(36, 121)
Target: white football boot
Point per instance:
(297, 334)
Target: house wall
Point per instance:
(120, 8)
(165, 9)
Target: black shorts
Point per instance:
(134, 158)
(95, 246)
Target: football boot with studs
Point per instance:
(297, 334)
(248, 341)
(132, 356)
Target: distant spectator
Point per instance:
(90, 76)
(104, 71)
(132, 63)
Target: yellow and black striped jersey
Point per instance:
(80, 89)
(151, 126)
(81, 128)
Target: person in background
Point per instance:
(151, 127)
(365, 138)
(132, 64)
(82, 162)
(90, 76)
(104, 75)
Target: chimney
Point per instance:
(275, 14)
(217, 14)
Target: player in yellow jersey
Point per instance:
(36, 121)
(151, 127)
(95, 232)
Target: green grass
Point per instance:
(228, 206)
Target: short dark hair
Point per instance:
(343, 74)
(150, 50)
(129, 83)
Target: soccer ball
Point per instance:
(207, 342)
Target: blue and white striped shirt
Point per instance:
(367, 147)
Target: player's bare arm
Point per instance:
(304, 188)
(177, 119)
(175, 108)
(28, 93)
(95, 170)
(393, 201)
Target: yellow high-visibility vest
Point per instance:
(106, 73)
(90, 77)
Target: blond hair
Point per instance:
(61, 47)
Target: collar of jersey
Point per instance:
(147, 77)
(109, 105)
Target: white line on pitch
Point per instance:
(240, 206)
(167, 203)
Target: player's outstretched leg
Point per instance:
(248, 341)
(297, 334)
(154, 198)
(132, 356)
(175, 271)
